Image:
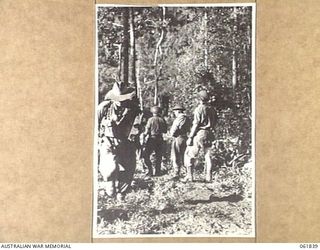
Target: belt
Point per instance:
(156, 136)
(183, 136)
(207, 129)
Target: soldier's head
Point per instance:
(203, 96)
(155, 110)
(177, 109)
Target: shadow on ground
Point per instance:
(166, 210)
(110, 215)
(142, 184)
(212, 198)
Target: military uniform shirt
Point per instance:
(205, 118)
(180, 125)
(156, 125)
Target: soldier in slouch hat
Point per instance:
(117, 163)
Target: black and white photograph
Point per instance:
(174, 148)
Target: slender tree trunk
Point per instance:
(248, 54)
(133, 50)
(206, 38)
(156, 56)
(234, 69)
(125, 46)
(234, 59)
(155, 100)
(139, 91)
(135, 70)
(120, 61)
(249, 67)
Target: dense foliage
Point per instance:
(200, 48)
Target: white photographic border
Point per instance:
(95, 234)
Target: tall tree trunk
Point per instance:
(126, 40)
(206, 38)
(132, 50)
(249, 67)
(248, 54)
(120, 61)
(139, 91)
(234, 69)
(155, 100)
(234, 55)
(158, 53)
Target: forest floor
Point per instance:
(166, 206)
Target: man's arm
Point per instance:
(100, 110)
(195, 124)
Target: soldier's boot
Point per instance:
(208, 175)
(176, 169)
(158, 171)
(109, 188)
(148, 168)
(175, 166)
(120, 193)
(176, 173)
(148, 165)
(149, 172)
(120, 197)
(189, 176)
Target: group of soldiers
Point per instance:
(117, 153)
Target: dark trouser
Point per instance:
(177, 153)
(153, 145)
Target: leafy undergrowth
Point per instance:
(165, 206)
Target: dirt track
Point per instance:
(162, 205)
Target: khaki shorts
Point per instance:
(202, 141)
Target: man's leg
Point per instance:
(182, 150)
(109, 171)
(188, 162)
(175, 158)
(146, 156)
(208, 164)
(158, 155)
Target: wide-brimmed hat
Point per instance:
(178, 107)
(117, 90)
